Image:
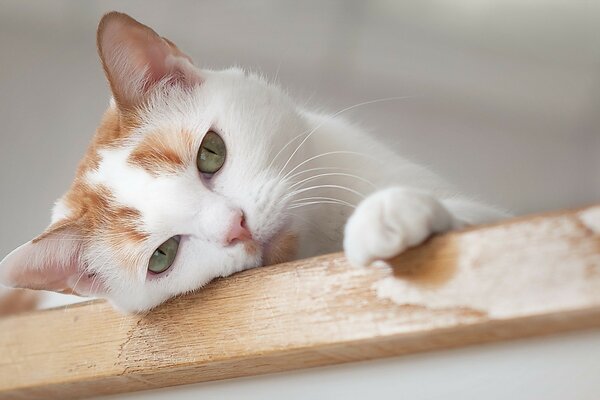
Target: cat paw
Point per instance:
(390, 221)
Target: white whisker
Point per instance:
(327, 154)
(320, 202)
(314, 198)
(326, 187)
(333, 174)
(335, 115)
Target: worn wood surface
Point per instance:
(531, 276)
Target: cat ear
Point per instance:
(52, 262)
(135, 58)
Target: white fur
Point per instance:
(182, 204)
(286, 168)
(256, 121)
(390, 221)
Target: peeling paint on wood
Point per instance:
(591, 219)
(550, 272)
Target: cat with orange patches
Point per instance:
(195, 174)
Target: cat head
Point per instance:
(182, 182)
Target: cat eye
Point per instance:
(211, 155)
(164, 255)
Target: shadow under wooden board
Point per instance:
(530, 276)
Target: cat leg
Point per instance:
(392, 220)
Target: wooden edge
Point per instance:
(531, 276)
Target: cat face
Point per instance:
(180, 184)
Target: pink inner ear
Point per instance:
(86, 284)
(39, 266)
(52, 263)
(136, 58)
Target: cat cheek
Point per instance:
(251, 247)
(282, 248)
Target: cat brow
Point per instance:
(164, 153)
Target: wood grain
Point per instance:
(531, 276)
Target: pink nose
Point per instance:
(238, 229)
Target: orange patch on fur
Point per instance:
(251, 247)
(96, 216)
(94, 208)
(161, 153)
(93, 211)
(109, 134)
(283, 249)
(100, 213)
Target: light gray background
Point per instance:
(506, 98)
(506, 103)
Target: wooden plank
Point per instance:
(530, 276)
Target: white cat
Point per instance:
(195, 174)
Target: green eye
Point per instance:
(211, 155)
(163, 257)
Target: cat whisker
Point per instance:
(333, 174)
(320, 169)
(345, 188)
(78, 280)
(94, 281)
(321, 202)
(103, 252)
(347, 152)
(395, 98)
(315, 198)
(283, 148)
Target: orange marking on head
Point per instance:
(163, 153)
(109, 134)
(97, 216)
(93, 211)
(94, 208)
(100, 213)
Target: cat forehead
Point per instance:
(223, 94)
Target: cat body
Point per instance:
(381, 174)
(220, 171)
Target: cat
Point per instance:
(195, 174)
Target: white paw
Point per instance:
(389, 221)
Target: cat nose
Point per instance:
(238, 229)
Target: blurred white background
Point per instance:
(505, 93)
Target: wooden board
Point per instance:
(531, 276)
